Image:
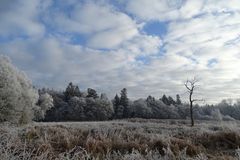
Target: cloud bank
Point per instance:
(104, 45)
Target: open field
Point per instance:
(124, 139)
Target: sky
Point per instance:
(151, 47)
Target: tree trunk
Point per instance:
(191, 114)
(191, 107)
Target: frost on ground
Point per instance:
(133, 139)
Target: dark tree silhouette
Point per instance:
(171, 100)
(116, 100)
(71, 91)
(165, 100)
(124, 102)
(150, 98)
(191, 85)
(92, 93)
(178, 100)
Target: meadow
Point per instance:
(130, 139)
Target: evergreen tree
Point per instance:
(92, 93)
(150, 99)
(165, 100)
(104, 97)
(72, 91)
(118, 110)
(178, 99)
(124, 98)
(171, 100)
(116, 100)
(124, 102)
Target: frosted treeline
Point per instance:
(21, 103)
(86, 106)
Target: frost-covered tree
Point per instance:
(150, 99)
(98, 109)
(162, 111)
(105, 109)
(118, 108)
(165, 100)
(76, 108)
(116, 100)
(216, 114)
(124, 98)
(228, 108)
(141, 109)
(124, 102)
(171, 100)
(59, 111)
(104, 97)
(71, 91)
(17, 96)
(44, 104)
(178, 99)
(183, 111)
(92, 93)
(119, 112)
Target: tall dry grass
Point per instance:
(120, 140)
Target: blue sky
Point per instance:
(148, 46)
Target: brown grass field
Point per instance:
(132, 139)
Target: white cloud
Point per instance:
(112, 38)
(154, 9)
(197, 32)
(165, 10)
(191, 8)
(142, 45)
(20, 18)
(105, 27)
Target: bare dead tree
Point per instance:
(191, 85)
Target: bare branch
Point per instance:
(186, 85)
(199, 100)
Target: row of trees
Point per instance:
(20, 103)
(74, 105)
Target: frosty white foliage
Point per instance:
(238, 153)
(17, 96)
(216, 114)
(141, 109)
(45, 103)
